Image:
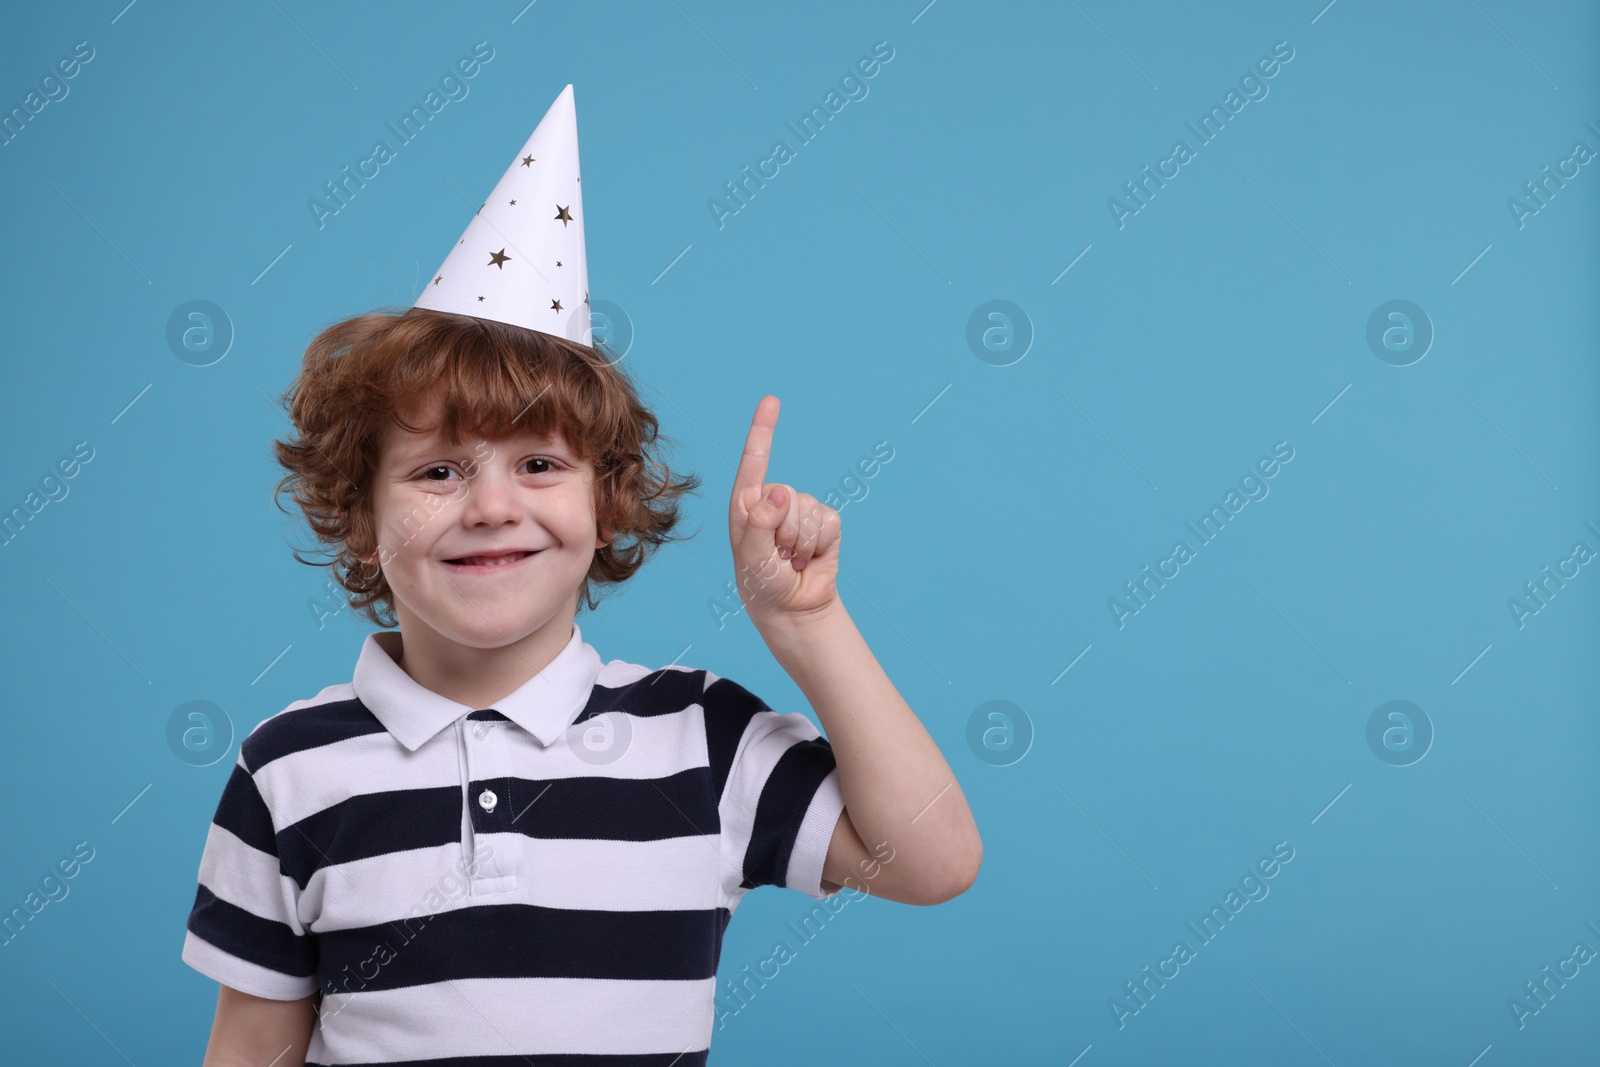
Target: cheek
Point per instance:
(579, 513)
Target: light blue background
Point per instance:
(1223, 317)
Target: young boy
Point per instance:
(490, 846)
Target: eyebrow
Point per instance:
(434, 445)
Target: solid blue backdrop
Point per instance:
(1157, 343)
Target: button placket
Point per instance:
(477, 765)
(488, 799)
(487, 805)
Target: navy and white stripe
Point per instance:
(475, 886)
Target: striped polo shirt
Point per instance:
(550, 877)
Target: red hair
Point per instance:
(494, 380)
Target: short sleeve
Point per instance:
(779, 797)
(243, 930)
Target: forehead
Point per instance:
(401, 445)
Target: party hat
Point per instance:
(521, 258)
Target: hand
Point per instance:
(785, 551)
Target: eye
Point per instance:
(550, 463)
(433, 474)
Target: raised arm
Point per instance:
(906, 825)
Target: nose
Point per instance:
(491, 497)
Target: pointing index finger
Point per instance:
(757, 448)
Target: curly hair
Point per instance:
(495, 379)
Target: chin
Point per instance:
(478, 634)
(487, 623)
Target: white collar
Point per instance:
(545, 705)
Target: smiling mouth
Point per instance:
(485, 563)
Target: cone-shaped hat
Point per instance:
(521, 259)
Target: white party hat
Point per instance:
(521, 259)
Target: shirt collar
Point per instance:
(545, 705)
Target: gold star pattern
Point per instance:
(437, 280)
(558, 263)
(555, 305)
(513, 203)
(526, 160)
(480, 299)
(586, 296)
(561, 213)
(497, 259)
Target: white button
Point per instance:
(487, 800)
(481, 730)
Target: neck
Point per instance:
(476, 677)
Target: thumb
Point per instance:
(770, 509)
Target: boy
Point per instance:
(490, 846)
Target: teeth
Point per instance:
(491, 561)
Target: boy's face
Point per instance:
(441, 510)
